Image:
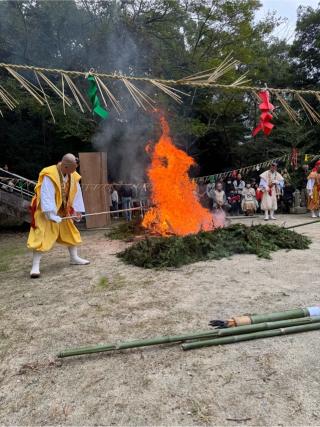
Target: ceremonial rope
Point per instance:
(180, 82)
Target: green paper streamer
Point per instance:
(95, 102)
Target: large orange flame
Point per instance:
(176, 207)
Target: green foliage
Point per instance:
(163, 38)
(126, 230)
(237, 239)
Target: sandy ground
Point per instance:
(267, 382)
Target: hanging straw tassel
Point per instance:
(7, 98)
(141, 98)
(212, 74)
(45, 97)
(241, 80)
(311, 113)
(63, 95)
(102, 86)
(170, 91)
(55, 88)
(32, 89)
(293, 115)
(76, 93)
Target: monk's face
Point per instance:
(68, 167)
(273, 168)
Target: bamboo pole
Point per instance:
(249, 319)
(103, 213)
(253, 336)
(302, 225)
(214, 334)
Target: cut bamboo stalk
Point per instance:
(252, 336)
(265, 317)
(303, 224)
(214, 334)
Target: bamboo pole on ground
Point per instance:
(212, 334)
(253, 336)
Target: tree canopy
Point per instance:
(161, 38)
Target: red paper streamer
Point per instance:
(266, 108)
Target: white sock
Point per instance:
(266, 215)
(313, 214)
(35, 270)
(74, 258)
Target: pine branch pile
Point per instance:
(126, 230)
(238, 239)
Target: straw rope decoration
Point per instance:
(203, 79)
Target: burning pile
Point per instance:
(176, 207)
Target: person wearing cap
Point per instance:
(271, 183)
(57, 195)
(313, 189)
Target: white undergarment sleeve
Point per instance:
(47, 196)
(78, 204)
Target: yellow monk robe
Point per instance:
(314, 202)
(44, 233)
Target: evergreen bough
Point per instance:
(237, 239)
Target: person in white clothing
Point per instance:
(271, 184)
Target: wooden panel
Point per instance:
(93, 170)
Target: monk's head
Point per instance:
(274, 166)
(68, 164)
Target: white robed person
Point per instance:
(271, 184)
(57, 196)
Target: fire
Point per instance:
(176, 207)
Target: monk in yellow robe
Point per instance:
(313, 188)
(58, 195)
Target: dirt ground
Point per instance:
(265, 382)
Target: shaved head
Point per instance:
(69, 159)
(68, 164)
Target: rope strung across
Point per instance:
(180, 82)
